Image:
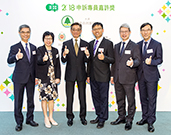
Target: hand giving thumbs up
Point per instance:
(45, 57)
(19, 54)
(148, 60)
(130, 62)
(101, 56)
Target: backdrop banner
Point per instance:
(57, 16)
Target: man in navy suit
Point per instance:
(123, 76)
(148, 75)
(101, 56)
(75, 54)
(23, 54)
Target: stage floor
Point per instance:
(7, 125)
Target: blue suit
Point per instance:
(148, 76)
(23, 76)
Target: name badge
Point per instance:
(127, 51)
(33, 52)
(57, 55)
(149, 51)
(83, 48)
(101, 50)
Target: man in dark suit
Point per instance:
(75, 53)
(101, 56)
(23, 54)
(148, 75)
(123, 76)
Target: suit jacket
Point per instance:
(23, 68)
(150, 72)
(126, 74)
(75, 65)
(42, 67)
(99, 70)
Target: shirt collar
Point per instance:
(24, 44)
(126, 42)
(147, 41)
(99, 40)
(78, 39)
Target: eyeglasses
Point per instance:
(22, 32)
(97, 29)
(76, 29)
(124, 32)
(148, 30)
(48, 39)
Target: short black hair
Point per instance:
(47, 33)
(24, 26)
(97, 23)
(76, 23)
(145, 24)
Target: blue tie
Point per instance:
(122, 49)
(95, 46)
(145, 48)
(27, 52)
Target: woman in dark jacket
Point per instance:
(48, 74)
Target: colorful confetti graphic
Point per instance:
(165, 11)
(7, 88)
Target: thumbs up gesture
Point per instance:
(66, 51)
(101, 56)
(86, 52)
(130, 62)
(45, 57)
(19, 54)
(148, 60)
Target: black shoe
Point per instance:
(150, 127)
(70, 122)
(32, 123)
(141, 122)
(117, 121)
(100, 125)
(94, 121)
(18, 127)
(128, 126)
(83, 121)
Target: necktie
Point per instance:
(27, 52)
(145, 48)
(95, 46)
(76, 47)
(122, 49)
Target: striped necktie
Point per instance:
(27, 52)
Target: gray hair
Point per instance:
(125, 25)
(23, 26)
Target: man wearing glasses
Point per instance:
(101, 53)
(123, 76)
(148, 75)
(75, 53)
(23, 54)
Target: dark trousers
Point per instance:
(100, 91)
(18, 100)
(70, 96)
(148, 95)
(123, 91)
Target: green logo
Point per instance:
(52, 7)
(67, 21)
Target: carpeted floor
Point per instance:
(7, 125)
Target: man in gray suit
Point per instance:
(123, 76)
